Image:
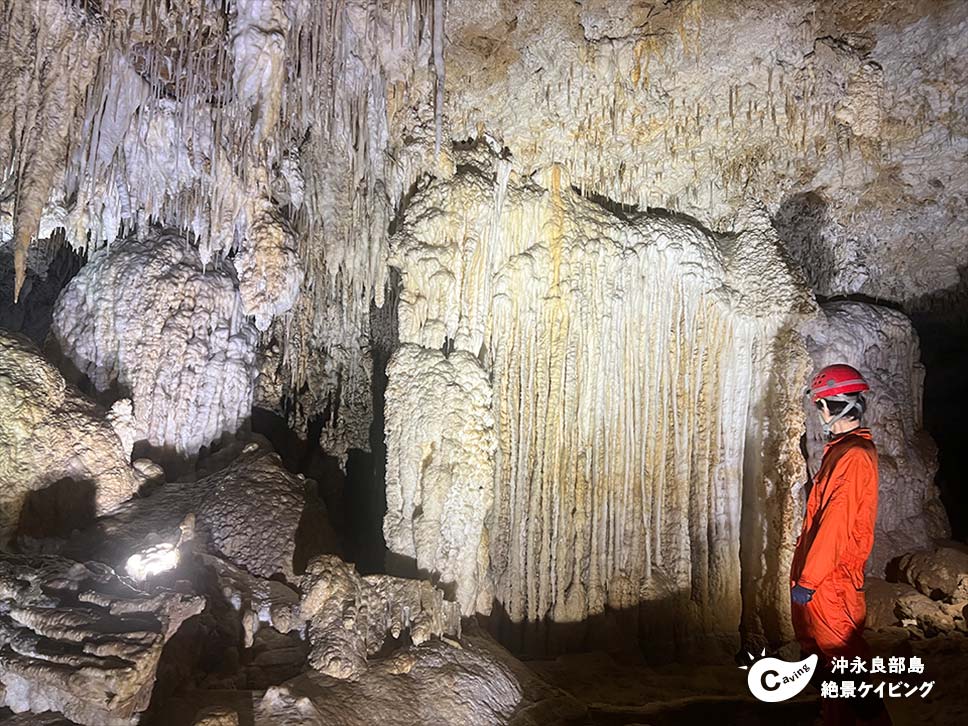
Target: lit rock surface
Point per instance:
(941, 573)
(773, 496)
(842, 118)
(50, 57)
(345, 617)
(350, 617)
(77, 640)
(50, 433)
(624, 353)
(269, 271)
(262, 128)
(146, 317)
(882, 345)
(248, 512)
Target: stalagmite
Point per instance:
(440, 431)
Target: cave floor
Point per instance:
(619, 693)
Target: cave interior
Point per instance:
(444, 361)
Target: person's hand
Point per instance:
(801, 595)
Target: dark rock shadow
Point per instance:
(57, 510)
(941, 321)
(654, 632)
(32, 314)
(799, 223)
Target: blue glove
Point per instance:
(801, 595)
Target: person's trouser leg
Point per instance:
(831, 625)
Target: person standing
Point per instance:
(827, 573)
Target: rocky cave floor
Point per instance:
(262, 622)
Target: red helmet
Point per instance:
(836, 379)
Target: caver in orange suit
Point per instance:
(837, 536)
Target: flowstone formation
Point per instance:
(628, 357)
(145, 317)
(845, 119)
(51, 436)
(882, 344)
(440, 468)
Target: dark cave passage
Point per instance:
(943, 331)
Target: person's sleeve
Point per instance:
(833, 529)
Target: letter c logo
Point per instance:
(772, 679)
(776, 683)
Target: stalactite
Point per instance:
(192, 109)
(50, 52)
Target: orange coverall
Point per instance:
(837, 536)
(831, 551)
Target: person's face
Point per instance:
(825, 414)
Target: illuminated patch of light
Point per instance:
(152, 561)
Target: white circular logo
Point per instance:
(772, 679)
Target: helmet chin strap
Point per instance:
(828, 425)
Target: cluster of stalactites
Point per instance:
(258, 127)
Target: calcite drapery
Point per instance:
(629, 360)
